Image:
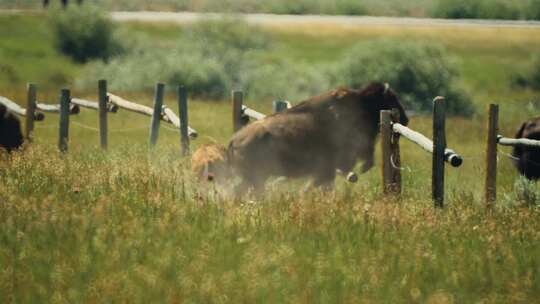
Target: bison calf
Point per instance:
(11, 137)
(209, 163)
(313, 138)
(528, 158)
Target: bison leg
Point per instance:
(369, 159)
(368, 164)
(253, 183)
(325, 178)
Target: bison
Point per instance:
(527, 159)
(316, 138)
(209, 162)
(11, 137)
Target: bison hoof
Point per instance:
(352, 177)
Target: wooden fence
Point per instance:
(494, 139)
(108, 103)
(391, 131)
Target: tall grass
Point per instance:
(133, 226)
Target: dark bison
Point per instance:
(528, 159)
(10, 130)
(314, 138)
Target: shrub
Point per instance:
(225, 33)
(282, 79)
(526, 193)
(83, 33)
(139, 70)
(530, 77)
(486, 9)
(533, 10)
(208, 59)
(418, 71)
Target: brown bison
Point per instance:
(313, 138)
(11, 137)
(528, 158)
(208, 162)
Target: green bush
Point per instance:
(485, 9)
(530, 78)
(526, 194)
(264, 79)
(83, 33)
(208, 59)
(141, 69)
(417, 71)
(533, 10)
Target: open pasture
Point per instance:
(132, 225)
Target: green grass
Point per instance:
(27, 54)
(132, 225)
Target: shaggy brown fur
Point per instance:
(11, 137)
(208, 162)
(314, 138)
(529, 158)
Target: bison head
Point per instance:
(380, 96)
(209, 163)
(527, 159)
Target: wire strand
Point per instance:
(396, 167)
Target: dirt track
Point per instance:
(280, 20)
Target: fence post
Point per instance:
(103, 100)
(237, 101)
(156, 115)
(184, 122)
(491, 156)
(386, 143)
(279, 106)
(64, 120)
(30, 111)
(439, 145)
(395, 156)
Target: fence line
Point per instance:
(107, 103)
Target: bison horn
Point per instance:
(386, 87)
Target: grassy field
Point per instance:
(132, 225)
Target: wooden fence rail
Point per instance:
(450, 156)
(512, 142)
(17, 109)
(74, 109)
(112, 108)
(167, 115)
